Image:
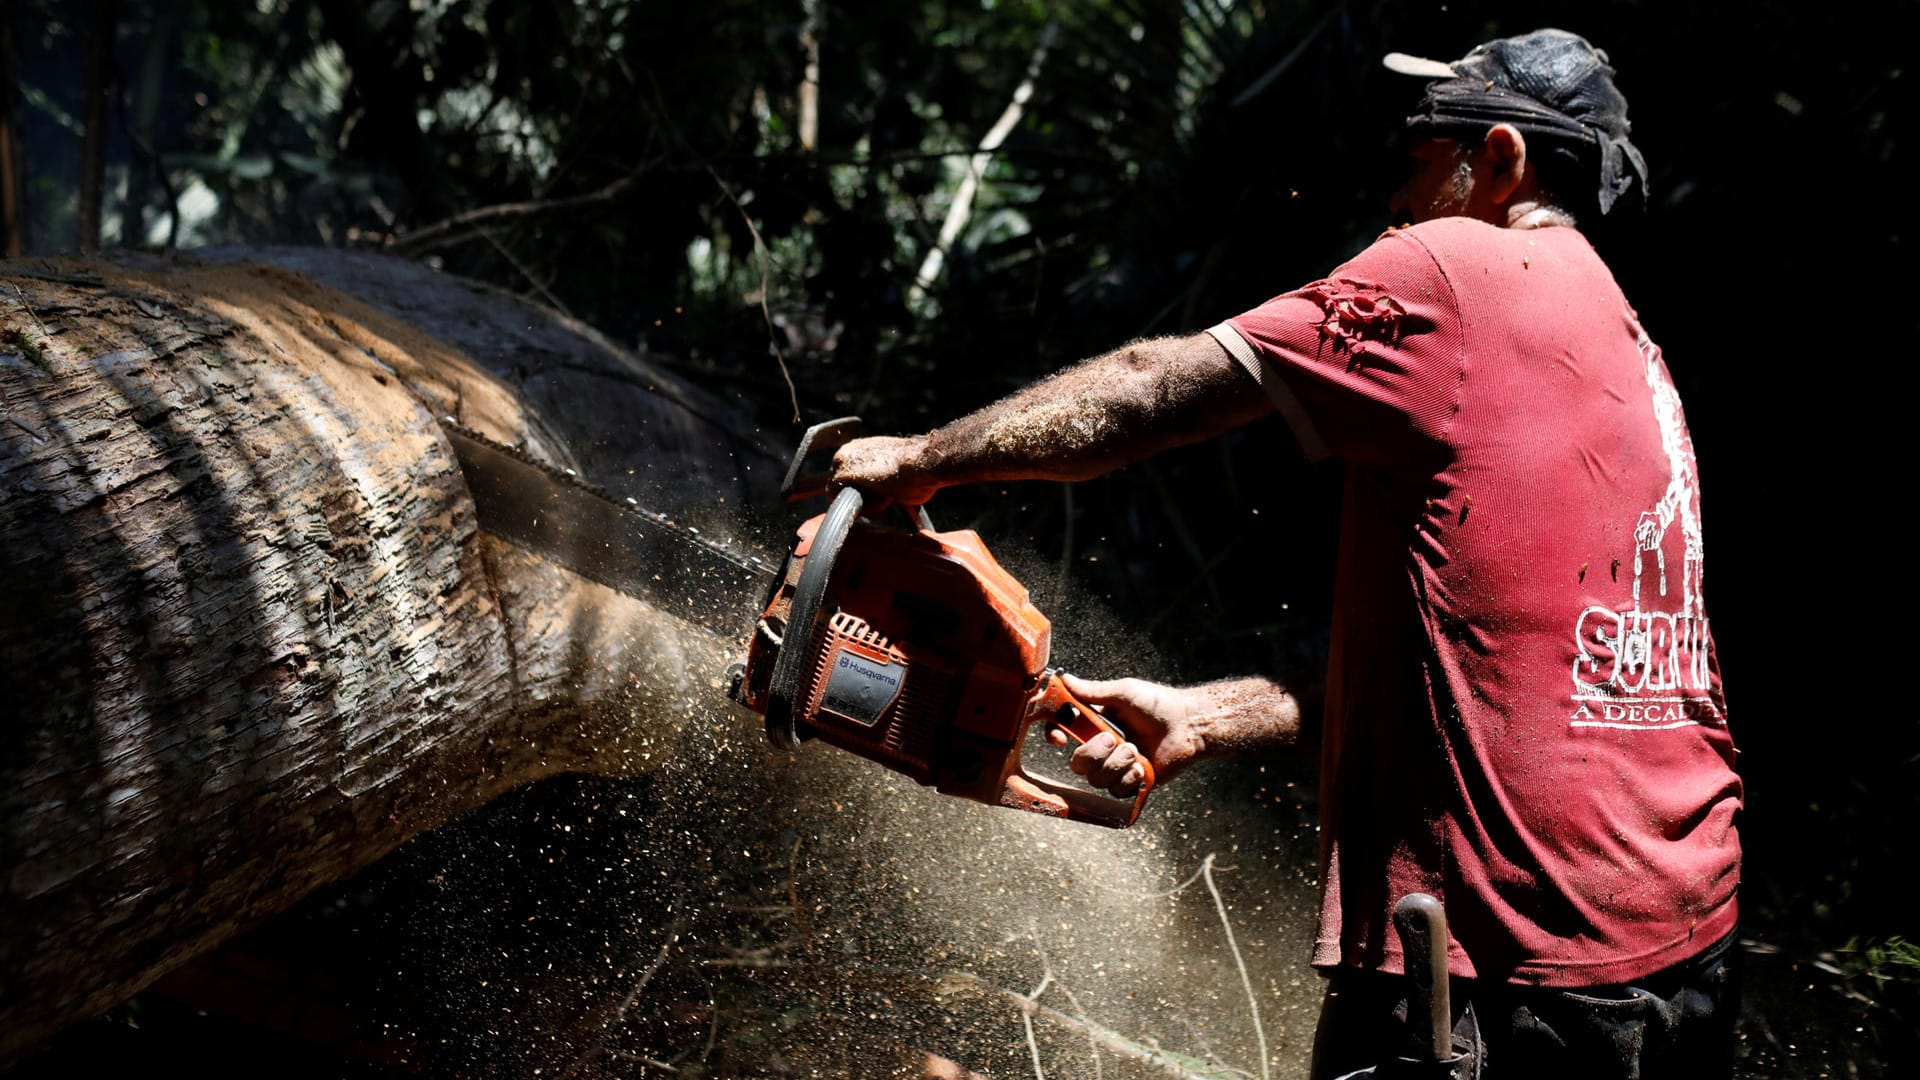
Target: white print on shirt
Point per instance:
(1645, 668)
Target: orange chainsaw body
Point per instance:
(920, 652)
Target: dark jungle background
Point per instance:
(655, 170)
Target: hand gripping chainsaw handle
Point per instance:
(817, 447)
(1022, 790)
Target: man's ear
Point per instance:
(1506, 151)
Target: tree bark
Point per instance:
(251, 638)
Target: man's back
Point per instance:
(1523, 716)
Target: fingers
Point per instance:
(1157, 720)
(1129, 784)
(1096, 691)
(842, 471)
(1138, 707)
(855, 462)
(1113, 770)
(1107, 762)
(1090, 755)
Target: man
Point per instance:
(1523, 712)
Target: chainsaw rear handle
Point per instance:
(1022, 790)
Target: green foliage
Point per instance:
(25, 344)
(1893, 959)
(655, 155)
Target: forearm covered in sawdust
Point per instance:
(1098, 415)
(1248, 716)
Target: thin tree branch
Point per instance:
(766, 312)
(1026, 1021)
(662, 117)
(962, 206)
(1254, 89)
(538, 285)
(1127, 1052)
(1046, 965)
(627, 1001)
(166, 185)
(138, 134)
(466, 226)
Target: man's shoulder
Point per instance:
(1449, 238)
(1485, 260)
(1428, 249)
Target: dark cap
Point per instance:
(1552, 85)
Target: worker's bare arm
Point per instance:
(1094, 417)
(1173, 727)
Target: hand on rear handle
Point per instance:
(1159, 720)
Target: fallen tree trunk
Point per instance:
(251, 638)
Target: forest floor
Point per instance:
(855, 926)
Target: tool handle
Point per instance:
(1422, 924)
(1037, 794)
(825, 438)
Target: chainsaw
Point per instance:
(913, 648)
(899, 643)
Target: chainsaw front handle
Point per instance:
(1021, 790)
(824, 438)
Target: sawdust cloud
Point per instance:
(735, 910)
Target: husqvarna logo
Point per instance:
(853, 664)
(861, 689)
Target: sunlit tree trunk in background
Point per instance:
(960, 210)
(93, 149)
(147, 169)
(251, 638)
(810, 81)
(13, 174)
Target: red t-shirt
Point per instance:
(1524, 714)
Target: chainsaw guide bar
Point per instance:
(607, 538)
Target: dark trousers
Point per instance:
(1674, 1023)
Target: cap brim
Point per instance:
(1415, 65)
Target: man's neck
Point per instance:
(1536, 214)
